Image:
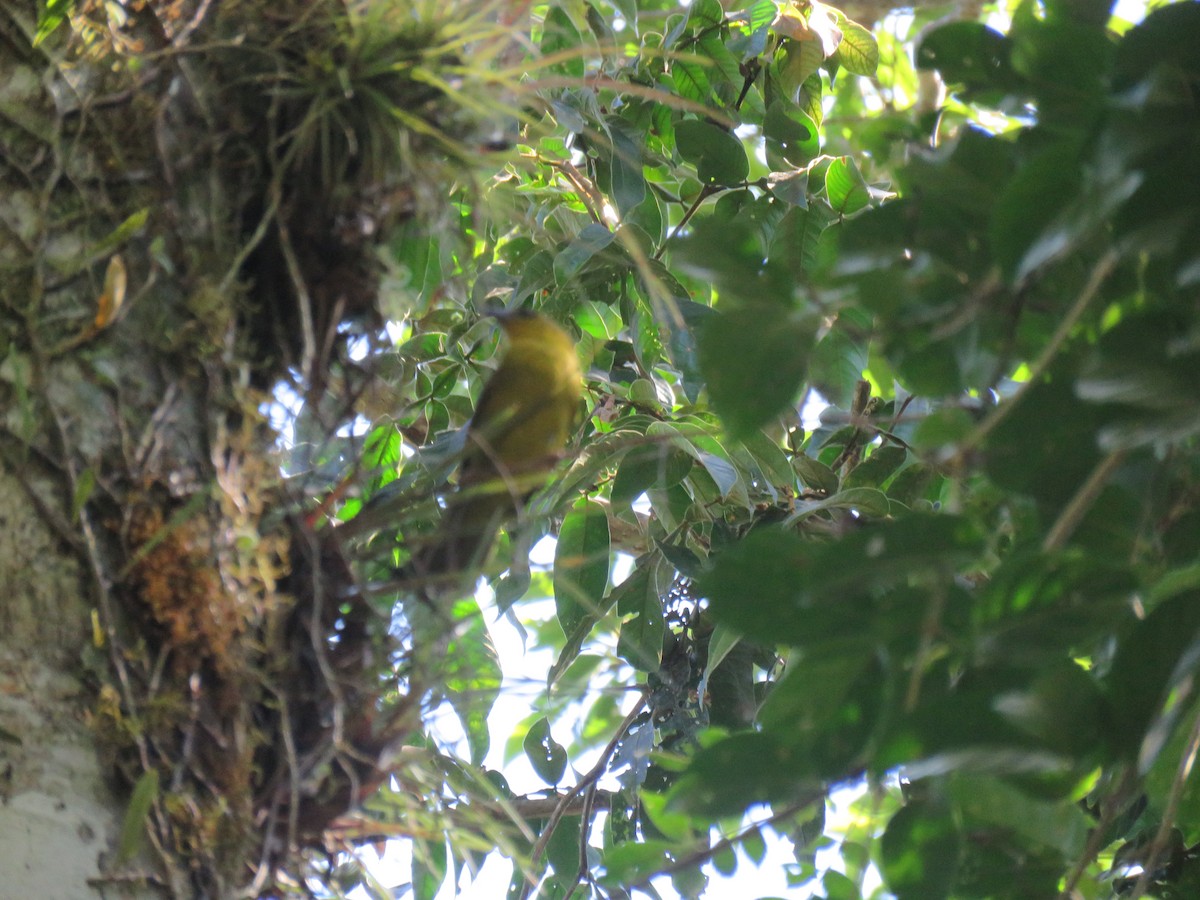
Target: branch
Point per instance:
(1097, 835)
(706, 853)
(705, 192)
(1100, 272)
(1069, 519)
(1171, 812)
(588, 781)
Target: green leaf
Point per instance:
(914, 482)
(581, 564)
(828, 705)
(634, 861)
(1143, 374)
(562, 850)
(725, 860)
(682, 557)
(50, 17)
(654, 464)
(85, 484)
(968, 53)
(511, 586)
(560, 36)
(942, 429)
(627, 185)
(723, 640)
(919, 852)
(759, 14)
(1062, 709)
(753, 586)
(641, 640)
(538, 273)
(131, 225)
(630, 595)
(737, 772)
(838, 361)
(792, 138)
(722, 61)
(133, 825)
(1160, 655)
(755, 361)
(682, 342)
(814, 474)
(690, 882)
(961, 729)
(858, 52)
(472, 675)
(706, 14)
(724, 475)
(670, 822)
(797, 61)
(719, 157)
(546, 755)
(1167, 36)
(1041, 217)
(845, 187)
(574, 644)
(429, 868)
(580, 252)
(691, 81)
(1024, 452)
(876, 468)
(755, 847)
(728, 253)
(982, 799)
(771, 460)
(838, 886)
(867, 501)
(1161, 781)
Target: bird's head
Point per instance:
(526, 326)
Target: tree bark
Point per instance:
(155, 629)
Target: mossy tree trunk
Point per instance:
(78, 395)
(170, 245)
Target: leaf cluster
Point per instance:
(969, 587)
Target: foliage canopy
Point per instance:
(971, 588)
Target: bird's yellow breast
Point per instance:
(526, 411)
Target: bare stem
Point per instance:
(1170, 812)
(1069, 519)
(587, 781)
(1100, 272)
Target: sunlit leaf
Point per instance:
(560, 38)
(920, 852)
(546, 755)
(718, 156)
(755, 360)
(581, 564)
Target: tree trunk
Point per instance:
(176, 716)
(59, 820)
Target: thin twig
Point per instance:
(705, 192)
(308, 353)
(929, 629)
(706, 853)
(1170, 811)
(1100, 272)
(590, 778)
(1069, 519)
(1097, 836)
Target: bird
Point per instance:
(517, 433)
